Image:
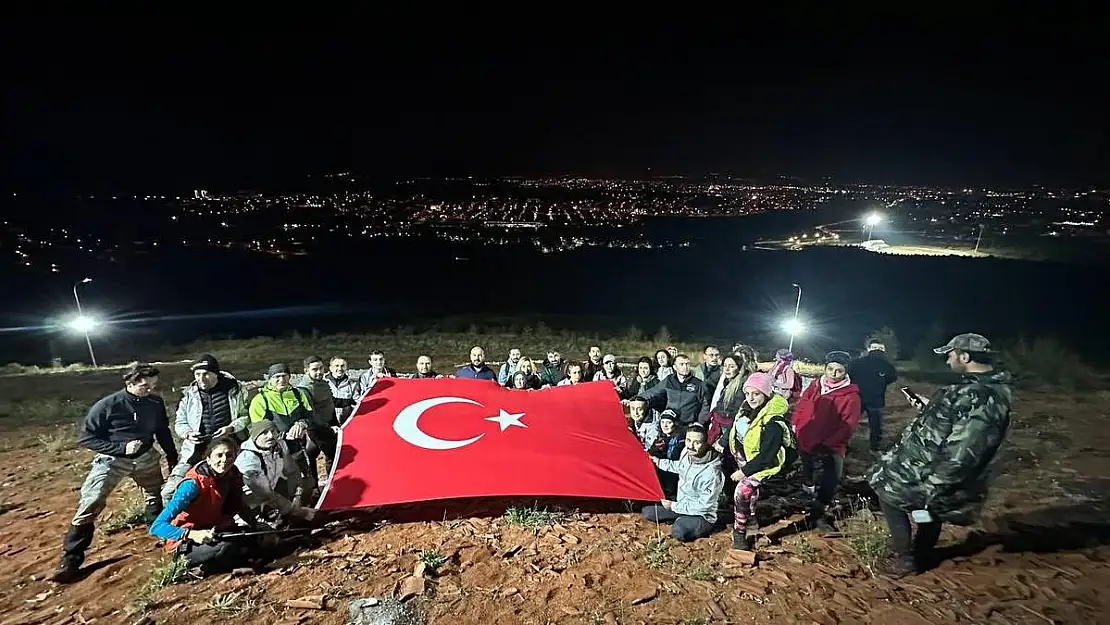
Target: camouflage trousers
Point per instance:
(105, 475)
(743, 505)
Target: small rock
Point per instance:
(642, 595)
(571, 539)
(411, 587)
(609, 618)
(373, 611)
(420, 569)
(510, 591)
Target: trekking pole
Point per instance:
(230, 535)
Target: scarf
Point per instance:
(827, 387)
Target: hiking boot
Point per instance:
(740, 541)
(809, 489)
(753, 530)
(899, 567)
(822, 524)
(67, 572)
(76, 542)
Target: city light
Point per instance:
(83, 324)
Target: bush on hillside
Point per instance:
(886, 336)
(1044, 363)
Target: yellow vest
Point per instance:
(776, 406)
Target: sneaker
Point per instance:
(899, 567)
(809, 489)
(66, 573)
(740, 541)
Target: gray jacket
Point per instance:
(262, 470)
(349, 388)
(700, 483)
(323, 406)
(189, 412)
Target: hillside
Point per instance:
(1039, 557)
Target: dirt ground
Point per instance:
(1040, 555)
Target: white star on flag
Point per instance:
(506, 419)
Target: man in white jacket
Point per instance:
(271, 477)
(700, 482)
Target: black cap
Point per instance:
(277, 369)
(839, 357)
(207, 362)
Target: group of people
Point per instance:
(754, 426)
(722, 426)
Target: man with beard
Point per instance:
(322, 436)
(940, 471)
(212, 407)
(700, 482)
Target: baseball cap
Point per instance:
(966, 343)
(608, 358)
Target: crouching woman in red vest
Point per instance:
(205, 503)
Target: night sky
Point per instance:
(96, 104)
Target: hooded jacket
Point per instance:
(826, 419)
(700, 483)
(262, 471)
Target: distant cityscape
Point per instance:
(546, 215)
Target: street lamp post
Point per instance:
(797, 307)
(80, 314)
(980, 239)
(872, 220)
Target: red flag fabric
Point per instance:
(421, 440)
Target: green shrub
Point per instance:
(1045, 362)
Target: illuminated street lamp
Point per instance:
(793, 326)
(872, 220)
(82, 323)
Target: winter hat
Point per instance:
(784, 355)
(208, 363)
(258, 427)
(277, 369)
(839, 357)
(760, 382)
(609, 358)
(668, 414)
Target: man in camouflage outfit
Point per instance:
(940, 470)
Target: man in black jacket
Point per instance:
(683, 393)
(122, 429)
(872, 374)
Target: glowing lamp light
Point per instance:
(874, 219)
(793, 326)
(83, 324)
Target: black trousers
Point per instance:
(685, 527)
(823, 469)
(906, 545)
(321, 439)
(219, 557)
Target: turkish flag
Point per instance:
(422, 440)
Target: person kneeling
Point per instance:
(700, 483)
(271, 476)
(205, 503)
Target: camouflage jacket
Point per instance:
(945, 459)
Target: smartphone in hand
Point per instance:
(913, 397)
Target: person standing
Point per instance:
(322, 428)
(940, 470)
(122, 429)
(213, 406)
(872, 373)
(824, 420)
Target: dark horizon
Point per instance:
(985, 101)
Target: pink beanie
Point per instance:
(760, 382)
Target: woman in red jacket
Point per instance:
(824, 420)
